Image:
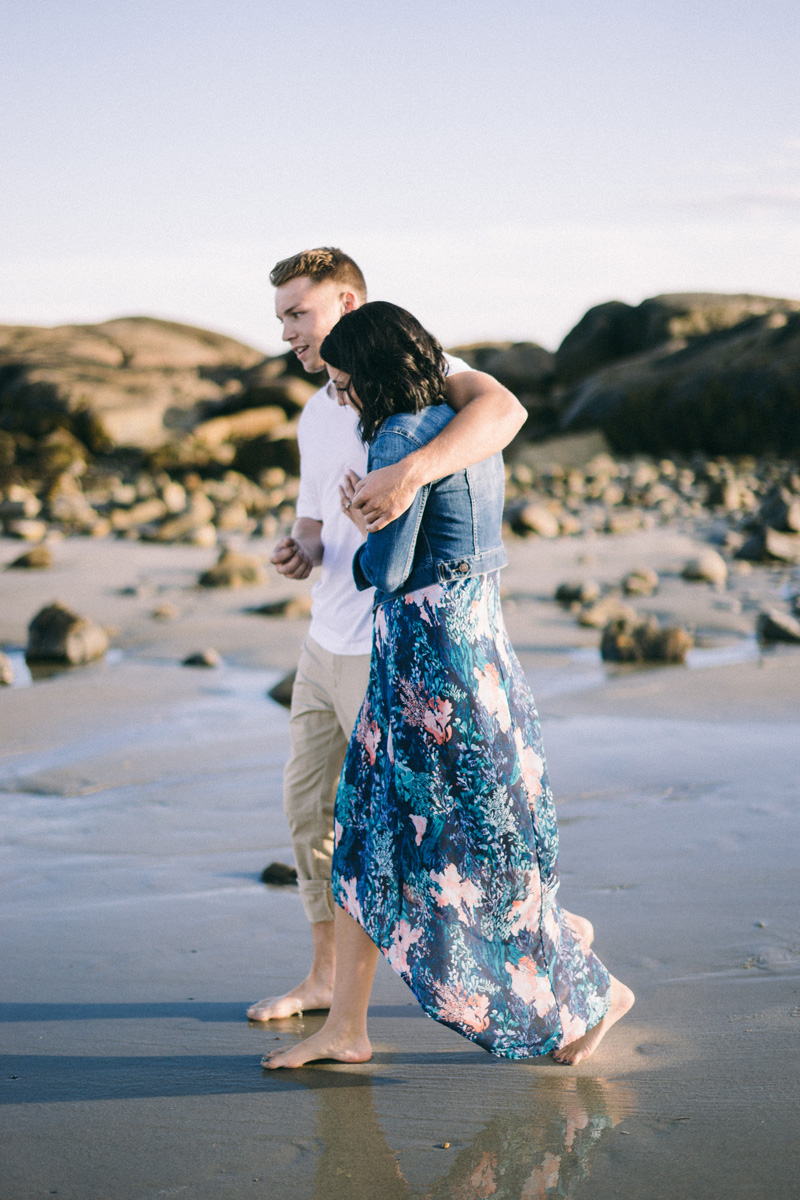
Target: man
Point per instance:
(313, 290)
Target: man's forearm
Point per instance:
(482, 428)
(309, 535)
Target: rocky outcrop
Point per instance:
(724, 378)
(133, 382)
(615, 330)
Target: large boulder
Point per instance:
(132, 382)
(522, 367)
(615, 330)
(729, 392)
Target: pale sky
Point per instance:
(496, 169)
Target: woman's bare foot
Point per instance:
(584, 929)
(343, 1047)
(306, 997)
(622, 999)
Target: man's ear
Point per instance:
(349, 301)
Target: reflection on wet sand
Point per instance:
(540, 1145)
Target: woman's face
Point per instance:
(344, 392)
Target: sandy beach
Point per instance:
(141, 800)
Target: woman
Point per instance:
(445, 831)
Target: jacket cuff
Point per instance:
(361, 581)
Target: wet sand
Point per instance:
(141, 800)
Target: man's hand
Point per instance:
(385, 494)
(292, 559)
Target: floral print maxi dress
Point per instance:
(445, 831)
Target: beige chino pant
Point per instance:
(328, 692)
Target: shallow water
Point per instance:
(141, 800)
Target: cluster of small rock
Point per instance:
(757, 500)
(628, 636)
(150, 507)
(625, 636)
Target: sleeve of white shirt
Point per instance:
(456, 365)
(308, 499)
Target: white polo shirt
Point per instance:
(327, 434)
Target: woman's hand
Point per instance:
(347, 491)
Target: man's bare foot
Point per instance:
(346, 1048)
(584, 929)
(308, 996)
(622, 999)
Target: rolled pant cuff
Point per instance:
(317, 899)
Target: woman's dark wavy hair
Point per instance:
(394, 364)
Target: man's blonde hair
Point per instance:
(326, 262)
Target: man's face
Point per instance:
(308, 312)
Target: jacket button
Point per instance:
(462, 568)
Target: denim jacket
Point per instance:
(452, 529)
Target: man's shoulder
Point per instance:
(456, 365)
(319, 399)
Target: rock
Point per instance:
(296, 606)
(199, 514)
(569, 525)
(254, 457)
(780, 510)
(19, 503)
(40, 558)
(174, 496)
(639, 641)
(578, 591)
(143, 513)
(241, 426)
(135, 381)
(640, 582)
(59, 452)
(279, 873)
(615, 330)
(597, 616)
(732, 390)
(59, 635)
(281, 692)
(535, 518)
(522, 367)
(626, 520)
(772, 625)
(203, 535)
(6, 670)
(768, 545)
(165, 612)
(28, 530)
(234, 569)
(233, 518)
(203, 658)
(708, 567)
(68, 506)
